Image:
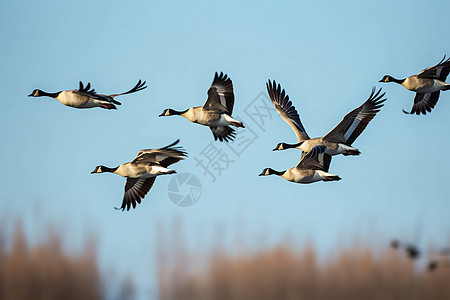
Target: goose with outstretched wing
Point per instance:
(337, 141)
(85, 97)
(427, 86)
(216, 112)
(142, 171)
(312, 167)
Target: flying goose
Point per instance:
(340, 138)
(217, 110)
(141, 172)
(85, 97)
(427, 85)
(311, 168)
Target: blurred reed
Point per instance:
(285, 272)
(47, 271)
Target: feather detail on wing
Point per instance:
(439, 71)
(354, 123)
(286, 110)
(220, 94)
(423, 103)
(84, 91)
(164, 156)
(223, 133)
(316, 159)
(135, 190)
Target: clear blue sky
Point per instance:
(326, 54)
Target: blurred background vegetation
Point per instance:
(286, 271)
(47, 270)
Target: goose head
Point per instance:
(280, 146)
(168, 112)
(37, 93)
(283, 146)
(269, 171)
(387, 78)
(103, 169)
(41, 93)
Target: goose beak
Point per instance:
(161, 115)
(93, 172)
(30, 95)
(381, 80)
(262, 174)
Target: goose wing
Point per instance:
(286, 110)
(220, 94)
(84, 91)
(135, 190)
(424, 102)
(354, 123)
(87, 92)
(316, 159)
(223, 133)
(439, 71)
(138, 87)
(165, 156)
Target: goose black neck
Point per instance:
(53, 95)
(399, 81)
(175, 112)
(111, 170)
(279, 173)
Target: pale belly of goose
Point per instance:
(139, 171)
(302, 176)
(73, 100)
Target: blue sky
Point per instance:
(326, 54)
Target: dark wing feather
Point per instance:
(164, 156)
(354, 123)
(316, 159)
(220, 94)
(138, 87)
(424, 102)
(286, 110)
(223, 133)
(135, 190)
(439, 71)
(86, 92)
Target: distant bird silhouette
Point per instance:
(142, 171)
(311, 168)
(85, 97)
(442, 260)
(427, 85)
(411, 250)
(340, 138)
(216, 112)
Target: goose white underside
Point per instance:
(224, 120)
(341, 148)
(68, 98)
(129, 170)
(295, 175)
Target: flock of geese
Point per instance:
(217, 111)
